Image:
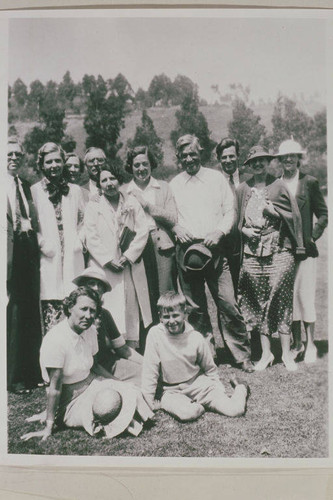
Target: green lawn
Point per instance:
(287, 414)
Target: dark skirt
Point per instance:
(266, 292)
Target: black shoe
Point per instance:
(21, 392)
(247, 366)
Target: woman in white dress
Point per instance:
(116, 235)
(59, 208)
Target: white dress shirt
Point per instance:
(292, 183)
(205, 202)
(93, 189)
(11, 193)
(148, 194)
(235, 177)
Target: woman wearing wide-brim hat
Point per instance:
(118, 358)
(271, 235)
(310, 203)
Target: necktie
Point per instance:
(21, 212)
(232, 183)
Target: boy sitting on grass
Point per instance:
(182, 357)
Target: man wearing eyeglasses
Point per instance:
(23, 318)
(94, 159)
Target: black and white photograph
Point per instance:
(167, 235)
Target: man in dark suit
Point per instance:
(310, 202)
(227, 152)
(23, 317)
(94, 159)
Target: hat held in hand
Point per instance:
(197, 257)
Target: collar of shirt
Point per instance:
(10, 179)
(200, 175)
(153, 183)
(75, 337)
(235, 176)
(292, 179)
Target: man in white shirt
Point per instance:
(205, 206)
(227, 152)
(23, 318)
(94, 159)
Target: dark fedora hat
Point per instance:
(196, 257)
(258, 152)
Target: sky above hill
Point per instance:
(268, 54)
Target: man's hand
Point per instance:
(251, 233)
(44, 434)
(213, 238)
(182, 234)
(270, 210)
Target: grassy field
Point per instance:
(287, 413)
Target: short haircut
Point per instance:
(187, 140)
(171, 300)
(114, 170)
(139, 150)
(82, 291)
(225, 143)
(89, 151)
(71, 155)
(49, 147)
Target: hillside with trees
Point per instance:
(109, 114)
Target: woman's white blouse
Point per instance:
(63, 348)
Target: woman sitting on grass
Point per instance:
(81, 392)
(190, 379)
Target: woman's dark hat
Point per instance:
(258, 152)
(197, 257)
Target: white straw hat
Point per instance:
(290, 147)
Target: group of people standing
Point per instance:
(250, 239)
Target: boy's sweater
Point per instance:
(178, 358)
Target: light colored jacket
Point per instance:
(56, 274)
(164, 212)
(102, 238)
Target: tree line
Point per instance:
(106, 103)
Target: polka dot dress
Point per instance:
(267, 276)
(266, 292)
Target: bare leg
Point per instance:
(287, 357)
(297, 335)
(311, 350)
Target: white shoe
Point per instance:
(289, 363)
(310, 356)
(263, 363)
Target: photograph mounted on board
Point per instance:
(167, 273)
